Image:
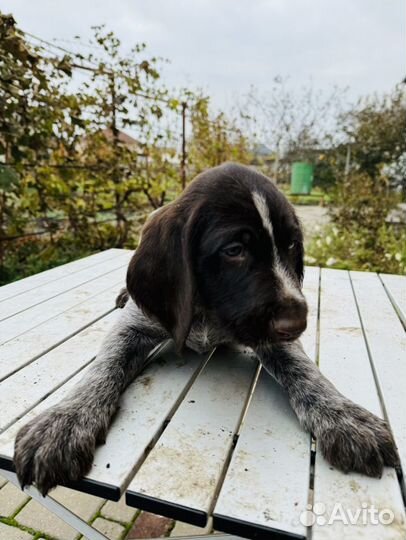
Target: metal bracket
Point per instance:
(58, 509)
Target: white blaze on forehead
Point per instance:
(290, 289)
(262, 207)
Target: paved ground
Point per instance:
(313, 218)
(21, 518)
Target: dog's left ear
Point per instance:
(160, 277)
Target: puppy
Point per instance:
(222, 264)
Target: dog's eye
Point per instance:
(235, 249)
(292, 245)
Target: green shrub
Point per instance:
(359, 237)
(31, 255)
(358, 249)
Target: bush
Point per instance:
(357, 249)
(359, 238)
(30, 255)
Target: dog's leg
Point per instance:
(349, 436)
(58, 445)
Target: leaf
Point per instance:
(8, 178)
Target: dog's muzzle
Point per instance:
(290, 322)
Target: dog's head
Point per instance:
(230, 244)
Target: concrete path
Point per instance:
(313, 218)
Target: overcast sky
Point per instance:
(224, 46)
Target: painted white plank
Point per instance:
(272, 456)
(147, 403)
(47, 276)
(344, 360)
(185, 466)
(145, 406)
(30, 318)
(343, 357)
(396, 287)
(30, 385)
(268, 478)
(25, 348)
(387, 346)
(47, 291)
(311, 285)
(8, 436)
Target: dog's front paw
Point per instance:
(54, 448)
(353, 439)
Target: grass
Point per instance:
(315, 198)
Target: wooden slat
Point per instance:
(30, 318)
(344, 360)
(311, 291)
(47, 291)
(343, 356)
(387, 346)
(23, 349)
(18, 287)
(47, 373)
(145, 406)
(8, 436)
(267, 483)
(182, 472)
(396, 288)
(261, 468)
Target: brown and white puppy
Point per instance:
(223, 264)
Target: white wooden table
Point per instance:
(211, 435)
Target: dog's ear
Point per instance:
(160, 277)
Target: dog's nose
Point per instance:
(287, 329)
(289, 321)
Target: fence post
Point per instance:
(183, 159)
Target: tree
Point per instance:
(295, 122)
(376, 131)
(214, 139)
(123, 92)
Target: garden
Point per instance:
(92, 140)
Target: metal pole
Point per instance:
(183, 159)
(58, 509)
(347, 162)
(116, 173)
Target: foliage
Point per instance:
(298, 123)
(296, 119)
(327, 168)
(30, 255)
(68, 168)
(358, 250)
(359, 237)
(376, 131)
(72, 181)
(214, 140)
(361, 200)
(360, 174)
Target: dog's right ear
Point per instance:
(160, 275)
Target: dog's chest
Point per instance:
(203, 336)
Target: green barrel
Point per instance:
(301, 179)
